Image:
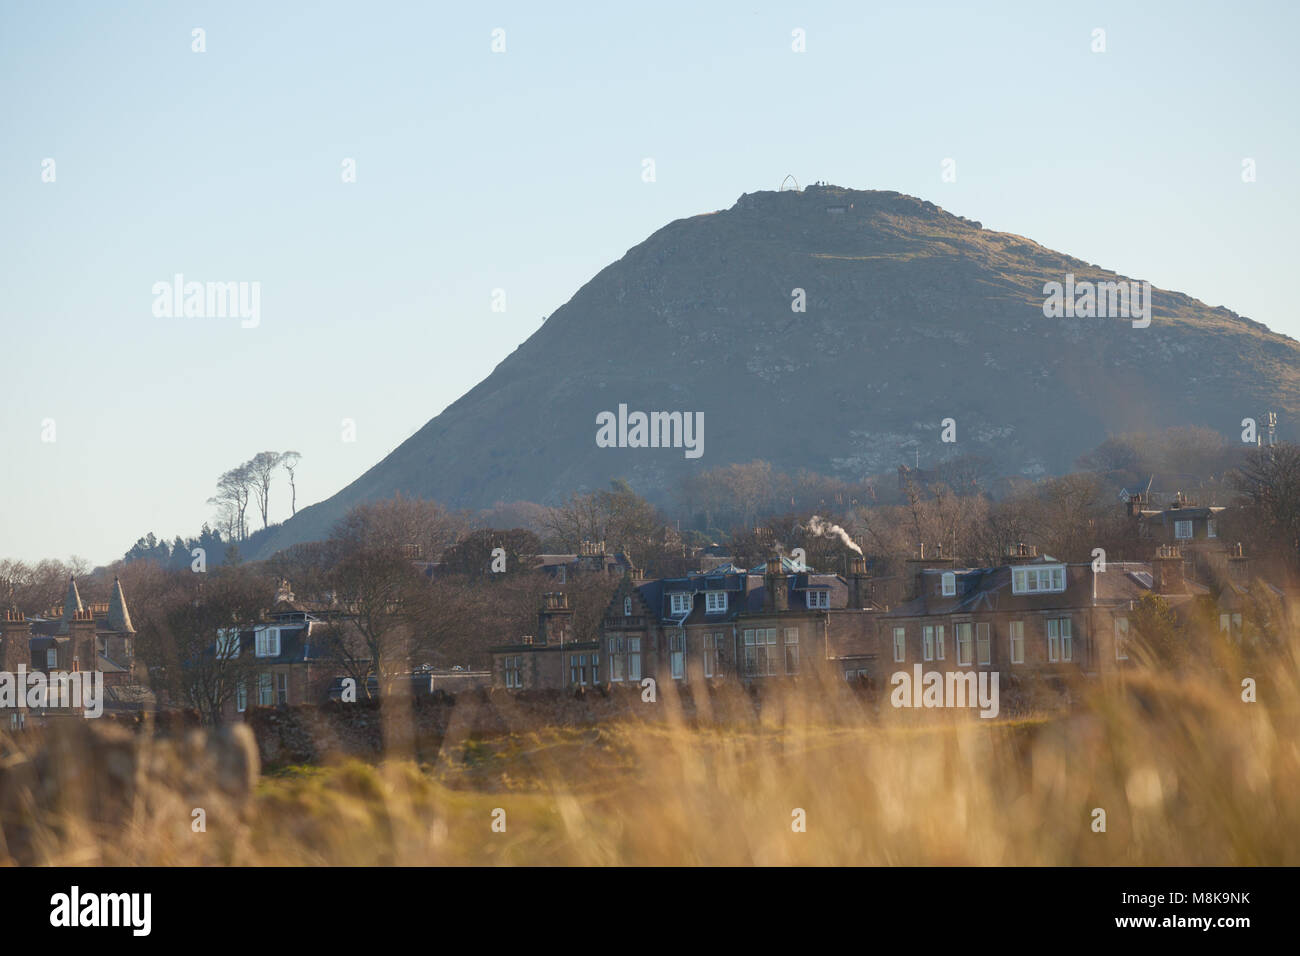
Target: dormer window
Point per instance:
(627, 607)
(268, 642)
(949, 584)
(819, 599)
(1040, 580)
(680, 602)
(715, 602)
(1182, 529)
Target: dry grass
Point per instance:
(1186, 772)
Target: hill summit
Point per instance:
(910, 315)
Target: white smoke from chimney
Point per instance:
(824, 529)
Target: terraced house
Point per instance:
(777, 620)
(1033, 615)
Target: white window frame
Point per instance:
(1060, 640)
(617, 657)
(52, 658)
(634, 659)
(578, 670)
(927, 642)
(680, 602)
(677, 654)
(965, 640)
(983, 644)
(1181, 526)
(948, 584)
(939, 652)
(241, 697)
(715, 602)
(1016, 641)
(282, 689)
(265, 690)
(713, 654)
(900, 645)
(791, 650)
(1047, 579)
(1121, 638)
(1211, 529)
(817, 600)
(627, 607)
(263, 645)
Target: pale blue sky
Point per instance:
(522, 171)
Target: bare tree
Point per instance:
(289, 462)
(261, 469)
(231, 500)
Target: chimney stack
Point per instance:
(555, 619)
(916, 568)
(1238, 566)
(81, 647)
(15, 644)
(1021, 553)
(776, 584)
(859, 583)
(1167, 570)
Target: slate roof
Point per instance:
(986, 590)
(119, 619)
(747, 592)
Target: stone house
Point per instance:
(777, 620)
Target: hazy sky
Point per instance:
(522, 171)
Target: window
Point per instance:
(681, 602)
(627, 607)
(677, 654)
(1047, 578)
(578, 669)
(818, 599)
(760, 651)
(983, 650)
(514, 677)
(1230, 625)
(713, 655)
(963, 644)
(1058, 640)
(52, 658)
(241, 696)
(634, 658)
(1211, 530)
(938, 642)
(282, 688)
(227, 643)
(927, 643)
(949, 584)
(1121, 638)
(900, 645)
(595, 667)
(615, 658)
(792, 650)
(1182, 529)
(268, 642)
(1016, 630)
(265, 695)
(715, 602)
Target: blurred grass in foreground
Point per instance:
(1186, 772)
